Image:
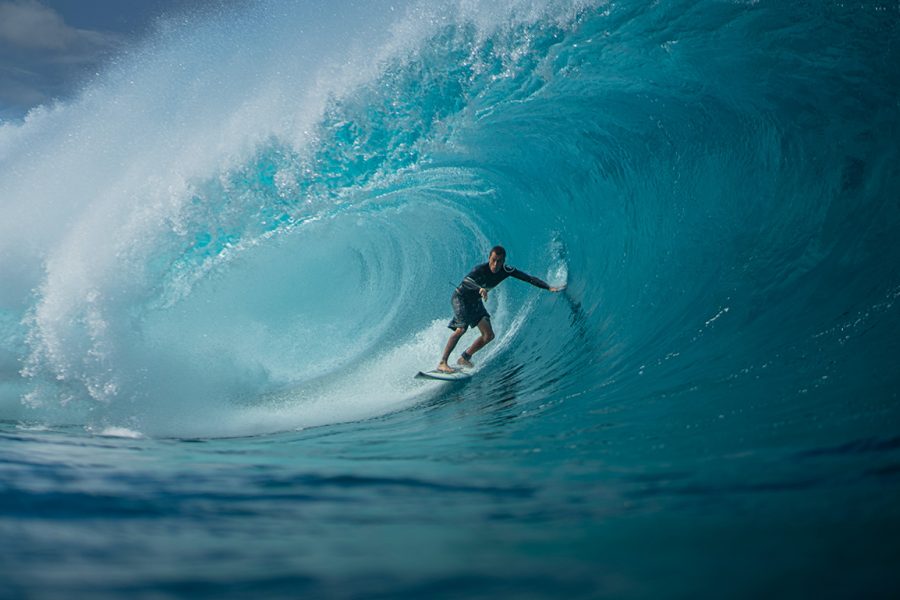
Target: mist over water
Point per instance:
(252, 224)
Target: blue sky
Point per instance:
(50, 48)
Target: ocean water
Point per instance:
(223, 261)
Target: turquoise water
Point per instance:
(223, 261)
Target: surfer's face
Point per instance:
(495, 262)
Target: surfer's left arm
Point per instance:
(522, 276)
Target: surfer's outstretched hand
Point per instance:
(557, 289)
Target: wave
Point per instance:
(244, 227)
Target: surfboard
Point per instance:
(435, 374)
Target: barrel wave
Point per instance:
(247, 232)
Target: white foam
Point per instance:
(117, 432)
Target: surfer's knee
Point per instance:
(487, 336)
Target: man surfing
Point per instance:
(468, 304)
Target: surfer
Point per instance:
(468, 304)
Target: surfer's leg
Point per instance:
(451, 344)
(487, 334)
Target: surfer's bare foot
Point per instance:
(443, 367)
(464, 363)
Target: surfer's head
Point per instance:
(497, 258)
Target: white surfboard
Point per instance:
(456, 375)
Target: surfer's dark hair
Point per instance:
(498, 250)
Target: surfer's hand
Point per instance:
(483, 293)
(557, 289)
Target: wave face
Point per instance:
(228, 215)
(252, 224)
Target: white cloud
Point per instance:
(29, 25)
(42, 57)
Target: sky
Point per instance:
(50, 48)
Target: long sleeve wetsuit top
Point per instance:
(482, 277)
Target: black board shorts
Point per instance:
(466, 313)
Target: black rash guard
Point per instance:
(482, 277)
